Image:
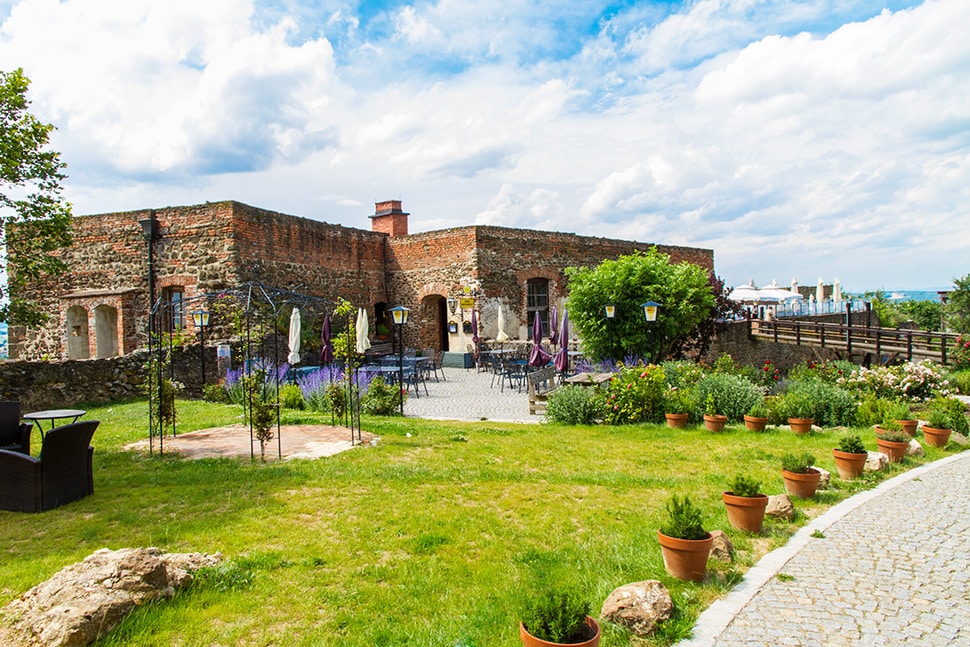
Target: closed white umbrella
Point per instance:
(363, 343)
(294, 356)
(837, 291)
(820, 291)
(794, 285)
(501, 336)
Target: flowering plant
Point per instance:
(769, 375)
(960, 355)
(912, 381)
(635, 394)
(679, 400)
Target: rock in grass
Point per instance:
(721, 547)
(638, 606)
(85, 600)
(780, 507)
(876, 462)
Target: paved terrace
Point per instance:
(466, 394)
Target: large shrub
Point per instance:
(682, 373)
(633, 395)
(733, 395)
(912, 381)
(572, 405)
(830, 405)
(381, 399)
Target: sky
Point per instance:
(795, 138)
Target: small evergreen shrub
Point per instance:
(215, 393)
(797, 463)
(955, 413)
(381, 399)
(572, 405)
(557, 616)
(745, 486)
(291, 397)
(893, 435)
(851, 445)
(684, 519)
(758, 410)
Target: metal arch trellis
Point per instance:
(256, 301)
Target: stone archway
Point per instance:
(434, 312)
(106, 331)
(77, 333)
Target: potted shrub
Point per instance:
(850, 457)
(684, 543)
(678, 403)
(756, 419)
(801, 479)
(892, 441)
(937, 430)
(558, 617)
(712, 419)
(745, 504)
(799, 409)
(902, 414)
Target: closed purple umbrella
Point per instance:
(326, 348)
(538, 356)
(474, 327)
(562, 357)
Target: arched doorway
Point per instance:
(434, 310)
(106, 331)
(77, 333)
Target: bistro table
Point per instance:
(53, 415)
(588, 379)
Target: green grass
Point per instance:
(421, 540)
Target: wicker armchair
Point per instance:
(63, 472)
(14, 434)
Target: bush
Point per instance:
(797, 463)
(960, 354)
(955, 412)
(291, 397)
(634, 395)
(684, 519)
(215, 393)
(381, 399)
(916, 382)
(733, 395)
(557, 616)
(829, 405)
(872, 411)
(745, 486)
(679, 400)
(572, 405)
(960, 380)
(682, 373)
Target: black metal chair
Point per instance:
(63, 472)
(14, 434)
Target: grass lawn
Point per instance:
(426, 539)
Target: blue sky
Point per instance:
(813, 138)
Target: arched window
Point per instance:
(106, 330)
(173, 298)
(537, 303)
(77, 333)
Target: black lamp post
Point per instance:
(610, 315)
(650, 309)
(400, 314)
(201, 320)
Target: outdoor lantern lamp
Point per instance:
(201, 319)
(453, 304)
(650, 309)
(610, 315)
(400, 315)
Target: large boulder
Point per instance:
(638, 606)
(780, 507)
(85, 600)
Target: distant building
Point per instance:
(100, 307)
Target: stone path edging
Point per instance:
(713, 621)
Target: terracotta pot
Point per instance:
(936, 437)
(528, 640)
(802, 486)
(801, 425)
(715, 422)
(755, 424)
(685, 559)
(677, 420)
(895, 451)
(850, 466)
(909, 426)
(746, 513)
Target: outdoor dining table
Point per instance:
(53, 415)
(588, 379)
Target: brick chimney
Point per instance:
(389, 219)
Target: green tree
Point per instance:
(958, 307)
(682, 289)
(35, 221)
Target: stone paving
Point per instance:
(893, 568)
(466, 394)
